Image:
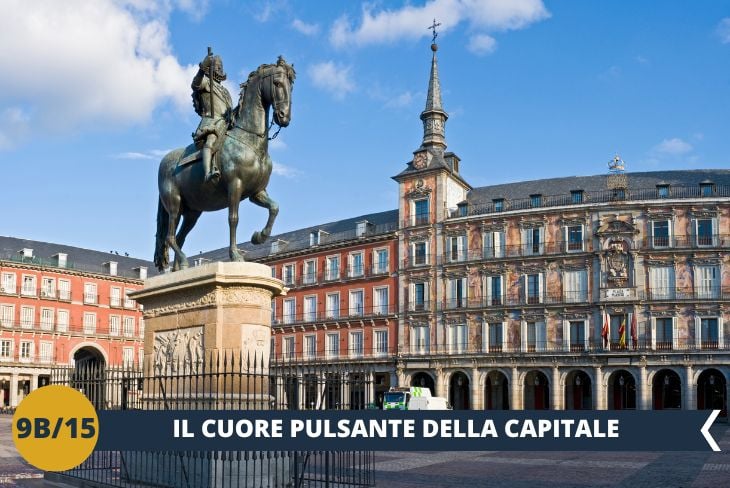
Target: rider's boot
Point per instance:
(211, 173)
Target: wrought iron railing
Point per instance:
(356, 312)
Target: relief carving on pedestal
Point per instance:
(243, 295)
(179, 351)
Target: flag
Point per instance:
(634, 336)
(604, 331)
(622, 333)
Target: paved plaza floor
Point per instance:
(497, 469)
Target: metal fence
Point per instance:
(223, 382)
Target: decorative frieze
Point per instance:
(178, 351)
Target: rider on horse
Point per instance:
(212, 103)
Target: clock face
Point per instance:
(419, 160)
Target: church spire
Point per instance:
(434, 117)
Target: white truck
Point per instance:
(413, 398)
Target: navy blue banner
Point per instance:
(406, 430)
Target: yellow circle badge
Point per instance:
(55, 428)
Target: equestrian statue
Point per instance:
(228, 160)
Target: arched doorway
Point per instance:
(424, 380)
(712, 391)
(536, 391)
(496, 391)
(621, 391)
(89, 375)
(578, 391)
(459, 391)
(667, 390)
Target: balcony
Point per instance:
(679, 294)
(687, 242)
(91, 299)
(336, 354)
(339, 314)
(73, 329)
(517, 250)
(516, 300)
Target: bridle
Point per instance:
(269, 73)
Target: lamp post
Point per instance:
(622, 390)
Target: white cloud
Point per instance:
(482, 44)
(90, 63)
(14, 127)
(405, 99)
(305, 28)
(332, 77)
(284, 170)
(155, 154)
(410, 21)
(672, 147)
(277, 144)
(268, 9)
(723, 30)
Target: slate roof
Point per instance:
(339, 231)
(563, 186)
(78, 258)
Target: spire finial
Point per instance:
(432, 28)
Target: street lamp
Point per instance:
(622, 385)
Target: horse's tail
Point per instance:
(162, 259)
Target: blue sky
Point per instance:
(94, 92)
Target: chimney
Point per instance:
(111, 267)
(61, 259)
(142, 270)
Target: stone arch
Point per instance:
(666, 389)
(536, 390)
(459, 390)
(712, 390)
(622, 390)
(424, 379)
(496, 387)
(92, 347)
(578, 389)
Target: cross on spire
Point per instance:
(432, 28)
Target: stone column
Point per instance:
(556, 390)
(13, 389)
(599, 391)
(394, 379)
(34, 382)
(643, 390)
(371, 388)
(441, 389)
(345, 394)
(515, 394)
(688, 390)
(476, 397)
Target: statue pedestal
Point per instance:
(208, 320)
(207, 346)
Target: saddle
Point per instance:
(195, 155)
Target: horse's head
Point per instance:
(276, 88)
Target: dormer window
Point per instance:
(462, 209)
(536, 200)
(111, 268)
(706, 188)
(61, 259)
(662, 191)
(576, 196)
(362, 228)
(277, 246)
(498, 204)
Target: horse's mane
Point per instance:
(291, 74)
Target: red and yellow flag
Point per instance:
(622, 333)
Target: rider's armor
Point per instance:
(215, 111)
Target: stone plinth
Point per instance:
(207, 335)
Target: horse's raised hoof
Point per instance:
(236, 256)
(258, 238)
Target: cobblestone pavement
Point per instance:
(497, 469)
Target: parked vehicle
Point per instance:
(413, 398)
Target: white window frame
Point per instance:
(413, 306)
(486, 336)
(528, 243)
(309, 341)
(425, 253)
(414, 218)
(662, 282)
(64, 289)
(115, 325)
(675, 332)
(6, 349)
(9, 284)
(540, 336)
(720, 330)
(670, 232)
(309, 278)
(332, 313)
(380, 308)
(128, 326)
(26, 355)
(566, 238)
(48, 287)
(377, 269)
(567, 336)
(63, 318)
(377, 349)
(289, 278)
(309, 314)
(352, 272)
(91, 295)
(289, 311)
(331, 275)
(27, 317)
(115, 296)
(458, 338)
(575, 278)
(713, 234)
(289, 347)
(714, 290)
(452, 299)
(7, 315)
(89, 323)
(420, 339)
(353, 310)
(456, 248)
(489, 291)
(356, 344)
(128, 356)
(47, 318)
(128, 302)
(493, 244)
(330, 351)
(45, 353)
(29, 286)
(540, 290)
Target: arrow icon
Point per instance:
(706, 430)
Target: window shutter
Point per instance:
(586, 334)
(541, 233)
(504, 335)
(464, 292)
(527, 241)
(524, 287)
(485, 336)
(488, 290)
(566, 244)
(523, 336)
(720, 333)
(462, 248)
(651, 232)
(489, 248)
(566, 335)
(653, 334)
(675, 339)
(498, 239)
(698, 332)
(714, 231)
(541, 336)
(540, 284)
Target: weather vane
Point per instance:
(432, 27)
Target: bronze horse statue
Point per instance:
(244, 162)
